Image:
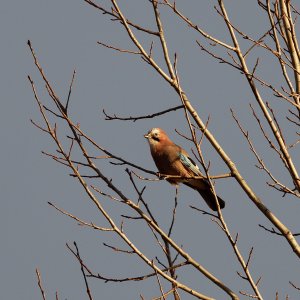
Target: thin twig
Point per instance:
(134, 119)
(40, 283)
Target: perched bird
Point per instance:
(171, 159)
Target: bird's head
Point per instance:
(156, 136)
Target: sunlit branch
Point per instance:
(196, 27)
(115, 16)
(119, 49)
(40, 283)
(80, 222)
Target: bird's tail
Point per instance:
(203, 188)
(210, 199)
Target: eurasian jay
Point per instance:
(171, 159)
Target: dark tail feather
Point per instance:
(206, 193)
(210, 199)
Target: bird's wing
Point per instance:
(189, 164)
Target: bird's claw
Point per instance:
(160, 176)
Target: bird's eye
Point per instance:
(155, 136)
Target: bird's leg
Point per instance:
(160, 176)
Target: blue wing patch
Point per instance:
(189, 163)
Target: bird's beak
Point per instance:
(146, 136)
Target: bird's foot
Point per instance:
(160, 176)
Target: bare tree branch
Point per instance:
(134, 119)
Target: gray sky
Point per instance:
(64, 36)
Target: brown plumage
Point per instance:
(171, 159)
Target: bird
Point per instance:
(171, 159)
